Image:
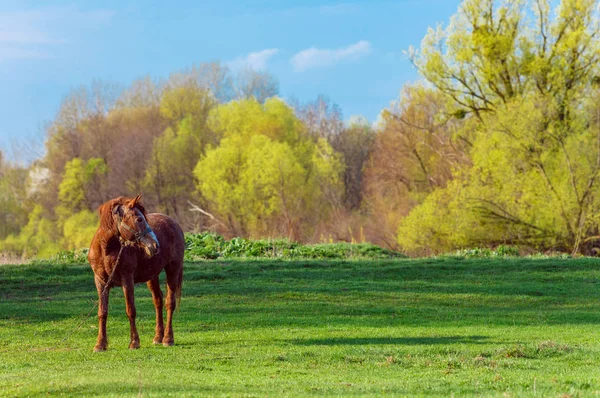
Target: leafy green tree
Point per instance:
(74, 189)
(183, 102)
(39, 237)
(267, 176)
(175, 153)
(327, 170)
(13, 195)
(274, 119)
(414, 152)
(491, 52)
(79, 229)
(534, 140)
(219, 180)
(73, 224)
(272, 180)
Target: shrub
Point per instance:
(66, 257)
(500, 251)
(211, 246)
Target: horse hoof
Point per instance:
(134, 346)
(99, 348)
(157, 341)
(167, 343)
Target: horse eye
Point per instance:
(140, 219)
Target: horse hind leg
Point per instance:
(174, 281)
(157, 298)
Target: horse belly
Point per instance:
(144, 274)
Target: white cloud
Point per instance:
(256, 60)
(32, 33)
(315, 57)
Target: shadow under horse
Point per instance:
(132, 246)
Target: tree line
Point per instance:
(499, 145)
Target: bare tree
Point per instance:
(213, 76)
(355, 143)
(259, 85)
(321, 117)
(143, 93)
(217, 78)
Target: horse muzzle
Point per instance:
(150, 244)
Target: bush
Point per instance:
(500, 251)
(206, 245)
(66, 257)
(211, 246)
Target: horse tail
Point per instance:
(178, 288)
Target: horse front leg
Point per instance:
(134, 338)
(102, 342)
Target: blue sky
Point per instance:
(350, 51)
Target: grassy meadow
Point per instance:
(436, 327)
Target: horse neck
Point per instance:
(106, 235)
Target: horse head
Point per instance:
(132, 227)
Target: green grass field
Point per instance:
(445, 327)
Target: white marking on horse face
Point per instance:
(154, 238)
(150, 243)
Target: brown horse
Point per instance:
(129, 247)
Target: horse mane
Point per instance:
(107, 221)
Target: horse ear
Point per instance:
(117, 210)
(134, 201)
